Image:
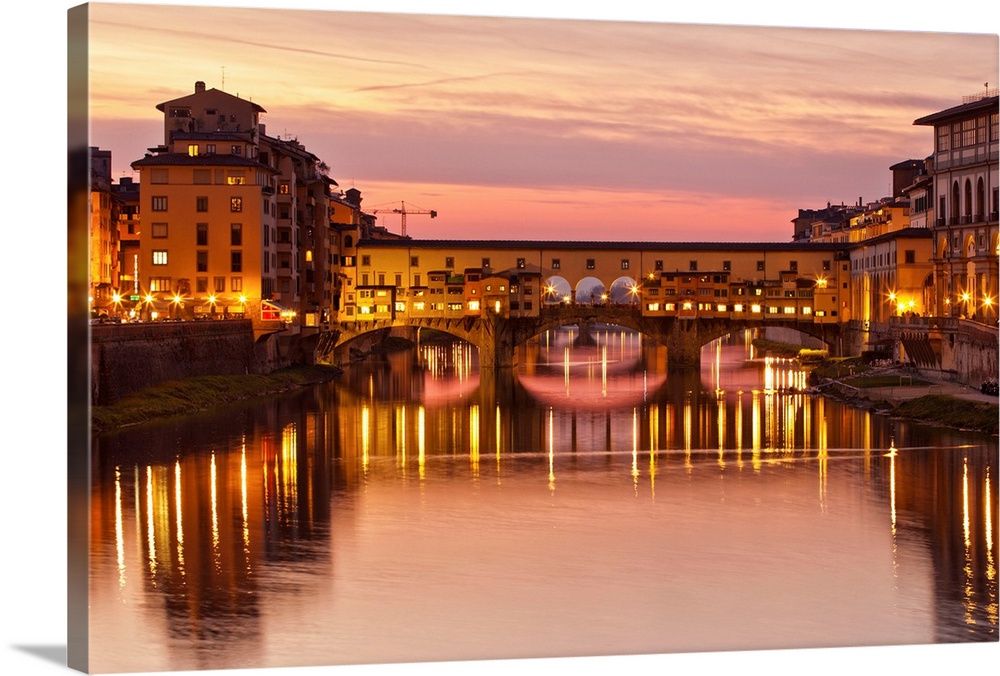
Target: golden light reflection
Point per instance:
(720, 402)
(755, 423)
(119, 529)
(474, 439)
(635, 451)
(892, 505)
(498, 444)
(421, 441)
(179, 517)
(365, 432)
(289, 467)
(687, 432)
(401, 436)
(150, 525)
(244, 503)
(552, 459)
(992, 605)
(214, 493)
(969, 592)
(604, 370)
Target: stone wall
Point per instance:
(129, 357)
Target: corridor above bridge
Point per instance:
(459, 278)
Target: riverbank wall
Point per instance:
(129, 357)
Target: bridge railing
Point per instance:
(919, 322)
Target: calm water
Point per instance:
(594, 502)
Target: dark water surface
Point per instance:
(593, 502)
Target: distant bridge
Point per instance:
(497, 337)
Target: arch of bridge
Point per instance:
(661, 329)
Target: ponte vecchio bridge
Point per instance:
(499, 294)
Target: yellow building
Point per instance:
(236, 223)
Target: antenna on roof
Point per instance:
(223, 78)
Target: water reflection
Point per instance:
(296, 531)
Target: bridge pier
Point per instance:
(684, 342)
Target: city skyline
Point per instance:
(523, 128)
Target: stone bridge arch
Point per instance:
(497, 337)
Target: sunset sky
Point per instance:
(542, 128)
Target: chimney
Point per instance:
(353, 197)
(199, 87)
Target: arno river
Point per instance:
(594, 502)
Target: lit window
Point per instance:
(738, 307)
(473, 306)
(160, 257)
(653, 307)
(159, 284)
(419, 306)
(720, 308)
(193, 150)
(807, 310)
(789, 310)
(755, 308)
(235, 204)
(236, 179)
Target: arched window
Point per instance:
(968, 198)
(348, 241)
(954, 202)
(980, 200)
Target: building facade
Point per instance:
(965, 187)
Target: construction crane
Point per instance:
(403, 210)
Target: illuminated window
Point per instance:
(236, 179)
(755, 308)
(807, 310)
(419, 306)
(653, 307)
(236, 204)
(309, 255)
(364, 310)
(738, 307)
(789, 310)
(193, 149)
(160, 257)
(720, 308)
(159, 284)
(624, 264)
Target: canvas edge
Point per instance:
(78, 340)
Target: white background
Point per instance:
(33, 453)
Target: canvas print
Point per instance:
(418, 338)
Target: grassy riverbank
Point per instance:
(951, 412)
(200, 393)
